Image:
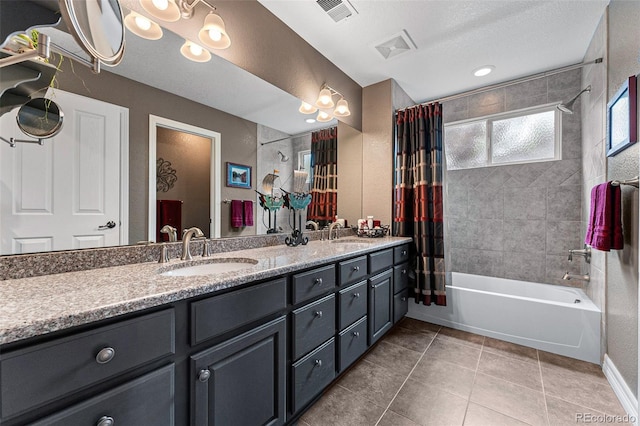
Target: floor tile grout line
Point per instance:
(544, 394)
(407, 378)
(475, 374)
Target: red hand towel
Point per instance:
(604, 230)
(168, 212)
(248, 212)
(236, 213)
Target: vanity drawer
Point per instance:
(352, 343)
(313, 324)
(313, 283)
(353, 304)
(400, 277)
(400, 305)
(145, 401)
(219, 314)
(312, 374)
(380, 261)
(401, 253)
(352, 270)
(42, 373)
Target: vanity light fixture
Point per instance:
(305, 108)
(213, 33)
(323, 117)
(325, 100)
(166, 10)
(195, 52)
(142, 26)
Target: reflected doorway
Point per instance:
(184, 178)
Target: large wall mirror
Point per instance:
(155, 80)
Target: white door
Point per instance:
(62, 194)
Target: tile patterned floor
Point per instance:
(423, 374)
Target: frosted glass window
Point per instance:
(466, 145)
(524, 138)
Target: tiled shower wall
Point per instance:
(518, 221)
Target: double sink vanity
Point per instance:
(250, 337)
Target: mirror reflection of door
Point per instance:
(70, 192)
(184, 185)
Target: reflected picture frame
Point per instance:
(622, 118)
(238, 175)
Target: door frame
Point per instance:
(214, 175)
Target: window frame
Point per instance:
(489, 119)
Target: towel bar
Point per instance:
(632, 182)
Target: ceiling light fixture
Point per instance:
(213, 33)
(142, 26)
(195, 52)
(483, 70)
(310, 120)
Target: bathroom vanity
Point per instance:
(134, 345)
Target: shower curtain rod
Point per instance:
(295, 136)
(507, 83)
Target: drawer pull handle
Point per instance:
(356, 334)
(404, 252)
(356, 295)
(318, 314)
(204, 375)
(404, 299)
(105, 421)
(318, 281)
(105, 355)
(404, 271)
(356, 268)
(318, 362)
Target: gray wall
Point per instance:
(518, 221)
(622, 265)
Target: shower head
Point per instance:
(283, 157)
(568, 106)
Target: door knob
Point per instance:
(110, 225)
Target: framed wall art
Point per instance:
(238, 176)
(622, 118)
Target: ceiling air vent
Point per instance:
(337, 9)
(396, 45)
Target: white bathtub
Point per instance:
(540, 316)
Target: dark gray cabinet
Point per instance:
(380, 305)
(255, 355)
(242, 381)
(145, 401)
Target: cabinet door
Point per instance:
(380, 305)
(400, 305)
(242, 380)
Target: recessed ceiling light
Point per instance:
(483, 70)
(310, 120)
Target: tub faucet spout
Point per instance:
(567, 276)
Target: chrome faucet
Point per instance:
(586, 252)
(186, 239)
(337, 227)
(312, 223)
(567, 276)
(171, 231)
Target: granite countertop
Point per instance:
(35, 306)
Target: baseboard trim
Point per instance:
(621, 389)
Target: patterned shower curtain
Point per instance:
(324, 163)
(418, 209)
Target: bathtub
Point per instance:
(557, 319)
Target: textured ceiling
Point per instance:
(453, 38)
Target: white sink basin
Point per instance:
(215, 266)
